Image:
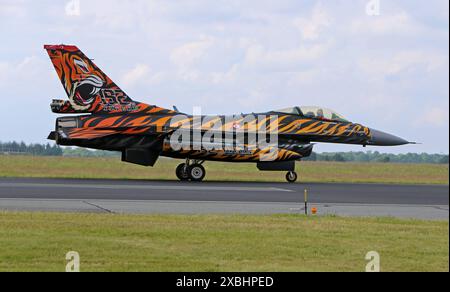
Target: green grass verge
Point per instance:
(40, 241)
(65, 167)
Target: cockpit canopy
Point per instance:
(314, 112)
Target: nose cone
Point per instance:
(380, 138)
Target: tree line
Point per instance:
(30, 149)
(379, 157)
(48, 149)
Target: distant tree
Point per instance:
(312, 157)
(384, 159)
(338, 157)
(23, 147)
(444, 160)
(15, 147)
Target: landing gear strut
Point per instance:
(193, 172)
(291, 176)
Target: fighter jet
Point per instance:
(103, 116)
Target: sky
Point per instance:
(382, 63)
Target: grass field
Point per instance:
(40, 241)
(66, 167)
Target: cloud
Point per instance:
(116, 15)
(228, 76)
(402, 62)
(13, 9)
(306, 77)
(436, 117)
(4, 68)
(400, 23)
(135, 75)
(284, 60)
(141, 75)
(311, 27)
(186, 55)
(27, 70)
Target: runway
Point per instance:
(137, 196)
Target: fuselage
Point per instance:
(232, 139)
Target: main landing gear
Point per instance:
(291, 176)
(193, 172)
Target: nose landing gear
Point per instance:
(193, 172)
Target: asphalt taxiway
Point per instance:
(138, 196)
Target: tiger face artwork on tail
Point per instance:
(87, 87)
(83, 93)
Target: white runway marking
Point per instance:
(143, 187)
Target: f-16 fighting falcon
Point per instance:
(103, 116)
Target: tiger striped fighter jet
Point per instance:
(102, 116)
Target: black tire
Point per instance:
(291, 177)
(181, 173)
(196, 172)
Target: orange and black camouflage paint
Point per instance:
(113, 121)
(293, 134)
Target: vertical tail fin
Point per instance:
(88, 88)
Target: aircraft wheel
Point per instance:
(181, 172)
(196, 172)
(291, 176)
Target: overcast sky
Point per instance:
(388, 71)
